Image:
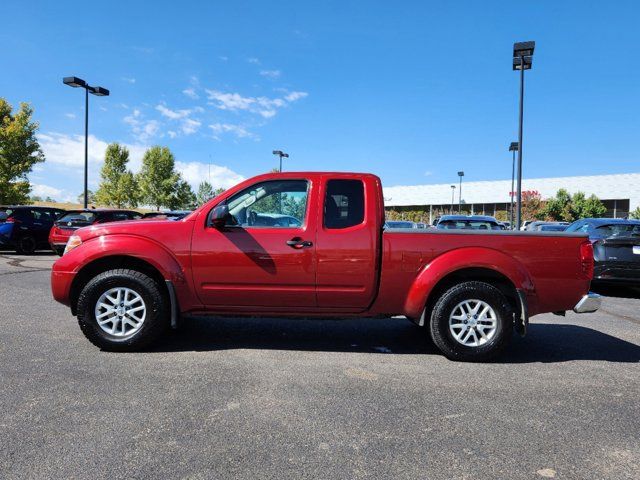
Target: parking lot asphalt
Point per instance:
(276, 398)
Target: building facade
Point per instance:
(620, 193)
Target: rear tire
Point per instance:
(123, 310)
(26, 245)
(472, 322)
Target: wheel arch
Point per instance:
(466, 264)
(112, 262)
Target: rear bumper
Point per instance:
(588, 303)
(622, 273)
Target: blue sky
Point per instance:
(412, 91)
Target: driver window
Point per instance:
(274, 204)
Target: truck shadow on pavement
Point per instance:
(544, 343)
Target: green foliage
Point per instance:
(635, 213)
(90, 194)
(118, 186)
(567, 208)
(160, 185)
(205, 193)
(19, 152)
(36, 198)
(182, 197)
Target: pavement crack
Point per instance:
(620, 316)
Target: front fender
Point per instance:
(458, 259)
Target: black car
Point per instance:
(25, 228)
(468, 222)
(616, 248)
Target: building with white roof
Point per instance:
(620, 193)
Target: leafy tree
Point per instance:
(590, 207)
(218, 191)
(532, 206)
(50, 200)
(91, 195)
(635, 213)
(36, 198)
(205, 193)
(19, 152)
(558, 208)
(182, 197)
(564, 207)
(118, 185)
(158, 179)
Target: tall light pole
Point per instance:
(522, 60)
(453, 191)
(76, 82)
(460, 174)
(282, 155)
(512, 148)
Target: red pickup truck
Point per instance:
(315, 244)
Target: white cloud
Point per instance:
(45, 191)
(172, 134)
(264, 106)
(70, 115)
(68, 150)
(428, 173)
(142, 129)
(238, 130)
(129, 80)
(191, 93)
(253, 60)
(196, 172)
(272, 74)
(172, 114)
(188, 125)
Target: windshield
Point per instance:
(468, 225)
(619, 229)
(400, 224)
(76, 219)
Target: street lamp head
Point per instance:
(285, 155)
(525, 62)
(99, 91)
(523, 49)
(278, 152)
(513, 147)
(461, 174)
(74, 82)
(453, 186)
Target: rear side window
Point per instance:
(343, 203)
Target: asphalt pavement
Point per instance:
(275, 398)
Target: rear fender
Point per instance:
(459, 259)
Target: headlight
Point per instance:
(73, 242)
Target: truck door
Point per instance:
(265, 253)
(348, 240)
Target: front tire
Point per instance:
(472, 322)
(122, 310)
(26, 245)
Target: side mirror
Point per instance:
(219, 216)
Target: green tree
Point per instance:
(158, 179)
(182, 197)
(90, 194)
(19, 152)
(635, 213)
(218, 191)
(590, 207)
(118, 186)
(205, 193)
(36, 198)
(558, 208)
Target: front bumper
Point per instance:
(588, 303)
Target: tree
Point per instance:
(205, 193)
(19, 152)
(590, 207)
(532, 206)
(36, 198)
(118, 185)
(557, 208)
(91, 195)
(218, 191)
(183, 197)
(567, 208)
(635, 213)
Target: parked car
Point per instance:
(552, 227)
(616, 248)
(421, 225)
(468, 222)
(399, 224)
(537, 225)
(25, 227)
(524, 224)
(171, 215)
(72, 220)
(128, 282)
(507, 224)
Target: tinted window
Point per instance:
(77, 219)
(468, 225)
(281, 203)
(343, 203)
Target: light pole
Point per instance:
(512, 148)
(453, 191)
(522, 60)
(282, 155)
(76, 82)
(460, 174)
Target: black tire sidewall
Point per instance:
(27, 241)
(472, 290)
(156, 305)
